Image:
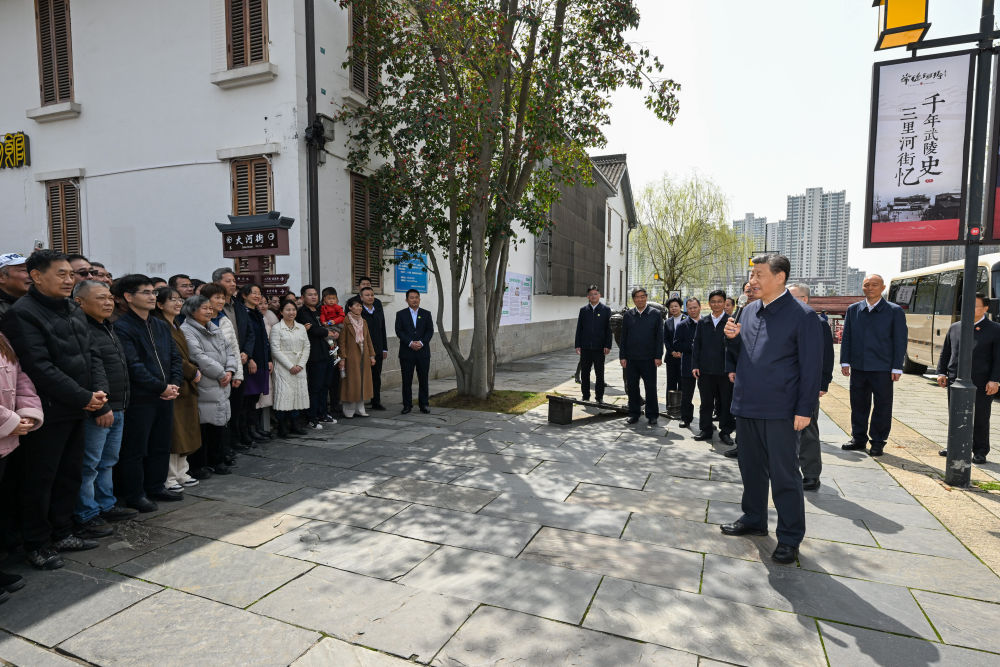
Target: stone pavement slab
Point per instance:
(524, 485)
(639, 501)
(636, 561)
(888, 516)
(286, 451)
(691, 622)
(696, 536)
(461, 529)
(237, 524)
(847, 646)
(448, 496)
(694, 488)
(866, 603)
(242, 490)
(552, 452)
(332, 651)
(475, 459)
(313, 475)
(555, 514)
(354, 510)
(923, 541)
(405, 621)
(888, 493)
(499, 637)
(819, 526)
(347, 548)
(534, 588)
(963, 622)
(423, 470)
(131, 539)
(17, 651)
(215, 570)
(608, 476)
(189, 631)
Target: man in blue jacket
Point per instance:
(681, 349)
(414, 329)
(675, 316)
(777, 379)
(872, 349)
(593, 342)
(640, 353)
(155, 375)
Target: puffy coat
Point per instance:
(153, 359)
(111, 354)
(18, 401)
(209, 351)
(229, 333)
(54, 347)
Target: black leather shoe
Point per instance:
(168, 496)
(851, 446)
(684, 425)
(631, 420)
(785, 554)
(119, 513)
(739, 528)
(703, 436)
(406, 411)
(732, 453)
(11, 582)
(585, 398)
(201, 473)
(377, 406)
(726, 439)
(74, 543)
(45, 558)
(599, 399)
(221, 469)
(93, 529)
(425, 410)
(810, 484)
(876, 450)
(943, 452)
(143, 504)
(653, 422)
(979, 459)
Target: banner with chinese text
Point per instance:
(918, 151)
(516, 307)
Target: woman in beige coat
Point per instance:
(357, 358)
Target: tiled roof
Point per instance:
(612, 166)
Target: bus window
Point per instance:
(982, 285)
(944, 303)
(901, 292)
(923, 302)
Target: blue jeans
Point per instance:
(100, 454)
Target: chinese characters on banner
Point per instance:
(263, 240)
(14, 151)
(916, 166)
(410, 271)
(516, 307)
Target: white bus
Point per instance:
(931, 298)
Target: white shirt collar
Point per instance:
(370, 310)
(715, 320)
(979, 320)
(765, 305)
(643, 310)
(871, 306)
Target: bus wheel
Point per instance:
(913, 367)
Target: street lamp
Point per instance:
(903, 22)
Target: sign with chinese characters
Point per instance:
(274, 279)
(516, 307)
(921, 115)
(411, 272)
(14, 151)
(275, 291)
(261, 240)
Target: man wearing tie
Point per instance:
(985, 373)
(414, 329)
(593, 342)
(640, 353)
(673, 361)
(680, 348)
(708, 363)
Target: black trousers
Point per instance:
(145, 453)
(52, 467)
(377, 379)
(866, 386)
(595, 359)
(769, 452)
(645, 370)
(214, 447)
(716, 391)
(333, 392)
(980, 421)
(673, 365)
(318, 377)
(687, 383)
(423, 367)
(237, 418)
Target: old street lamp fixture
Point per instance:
(901, 22)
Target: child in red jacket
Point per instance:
(331, 316)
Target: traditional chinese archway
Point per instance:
(254, 241)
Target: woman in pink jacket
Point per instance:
(20, 412)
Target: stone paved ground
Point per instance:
(467, 538)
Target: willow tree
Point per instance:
(480, 111)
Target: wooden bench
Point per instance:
(561, 408)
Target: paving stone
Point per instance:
(892, 516)
(636, 561)
(448, 496)
(695, 488)
(628, 458)
(557, 470)
(963, 622)
(286, 451)
(461, 529)
(695, 536)
(863, 491)
(43, 611)
(486, 445)
(691, 622)
(131, 539)
(241, 490)
(639, 501)
(17, 651)
(348, 508)
(847, 646)
(474, 459)
(347, 548)
(324, 477)
(215, 570)
(865, 603)
(236, 524)
(189, 631)
(534, 588)
(501, 637)
(923, 541)
(524, 485)
(397, 619)
(423, 470)
(553, 453)
(818, 526)
(569, 516)
(167, 508)
(397, 434)
(332, 651)
(728, 473)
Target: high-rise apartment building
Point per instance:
(754, 229)
(772, 236)
(815, 238)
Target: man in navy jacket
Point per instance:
(682, 345)
(593, 342)
(640, 353)
(872, 349)
(777, 384)
(708, 365)
(414, 329)
(675, 316)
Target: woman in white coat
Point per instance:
(290, 351)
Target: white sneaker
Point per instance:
(173, 487)
(316, 425)
(190, 481)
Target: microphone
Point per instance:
(741, 302)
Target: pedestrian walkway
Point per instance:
(469, 538)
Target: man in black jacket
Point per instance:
(593, 342)
(239, 433)
(54, 345)
(675, 317)
(414, 329)
(103, 431)
(640, 353)
(319, 367)
(708, 365)
(985, 373)
(681, 348)
(371, 311)
(155, 375)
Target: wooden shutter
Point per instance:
(55, 51)
(64, 216)
(253, 190)
(246, 22)
(364, 253)
(364, 71)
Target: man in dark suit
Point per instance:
(708, 365)
(872, 349)
(414, 329)
(373, 314)
(640, 353)
(774, 397)
(681, 348)
(593, 342)
(675, 315)
(985, 373)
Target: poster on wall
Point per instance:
(411, 272)
(921, 116)
(516, 307)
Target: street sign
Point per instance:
(279, 290)
(274, 279)
(411, 272)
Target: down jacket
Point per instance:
(153, 359)
(209, 351)
(110, 353)
(18, 401)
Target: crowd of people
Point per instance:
(118, 393)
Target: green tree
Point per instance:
(482, 110)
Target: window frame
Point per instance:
(58, 99)
(251, 162)
(231, 64)
(64, 246)
(361, 184)
(369, 73)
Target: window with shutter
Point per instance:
(364, 253)
(64, 216)
(253, 187)
(246, 22)
(55, 51)
(364, 70)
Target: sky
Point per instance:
(775, 98)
